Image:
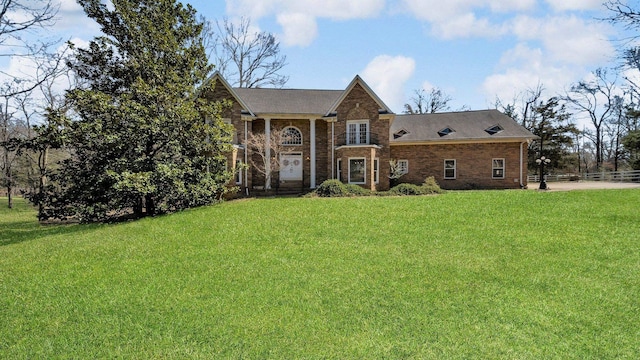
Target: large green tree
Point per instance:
(631, 143)
(136, 126)
(551, 122)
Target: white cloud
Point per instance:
(298, 18)
(467, 25)
(69, 5)
(387, 76)
(458, 18)
(298, 29)
(525, 68)
(569, 5)
(427, 86)
(567, 38)
(333, 9)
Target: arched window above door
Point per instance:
(292, 136)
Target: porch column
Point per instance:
(312, 156)
(267, 152)
(372, 172)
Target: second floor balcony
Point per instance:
(357, 138)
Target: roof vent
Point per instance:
(445, 131)
(400, 133)
(494, 129)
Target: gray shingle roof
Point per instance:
(466, 125)
(288, 101)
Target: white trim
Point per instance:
(333, 149)
(218, 76)
(297, 154)
(358, 146)
(455, 169)
(406, 166)
(493, 168)
(367, 89)
(312, 156)
(267, 153)
(521, 165)
(376, 170)
(364, 161)
(246, 158)
(358, 134)
(238, 175)
(299, 132)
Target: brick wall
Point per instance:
(473, 164)
(358, 105)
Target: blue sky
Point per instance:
(475, 50)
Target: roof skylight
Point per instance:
(400, 133)
(494, 129)
(446, 131)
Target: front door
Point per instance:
(291, 167)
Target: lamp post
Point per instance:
(542, 162)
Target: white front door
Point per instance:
(291, 167)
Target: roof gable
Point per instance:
(358, 81)
(217, 77)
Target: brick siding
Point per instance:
(473, 164)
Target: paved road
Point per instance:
(585, 185)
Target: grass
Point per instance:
(486, 274)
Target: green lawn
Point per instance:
(478, 274)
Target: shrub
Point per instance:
(406, 189)
(430, 186)
(356, 190)
(332, 188)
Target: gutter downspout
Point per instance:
(333, 155)
(521, 166)
(246, 159)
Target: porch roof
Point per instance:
(288, 101)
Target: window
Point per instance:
(450, 169)
(403, 166)
(494, 129)
(357, 132)
(497, 169)
(291, 136)
(339, 169)
(357, 170)
(376, 170)
(238, 172)
(445, 131)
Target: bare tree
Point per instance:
(522, 105)
(17, 110)
(623, 13)
(436, 100)
(594, 98)
(10, 128)
(20, 22)
(267, 162)
(246, 58)
(396, 171)
(17, 19)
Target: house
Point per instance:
(352, 135)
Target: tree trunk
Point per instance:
(9, 197)
(150, 205)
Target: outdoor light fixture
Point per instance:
(542, 162)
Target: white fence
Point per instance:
(621, 176)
